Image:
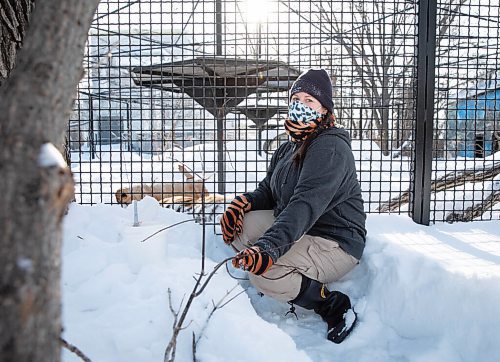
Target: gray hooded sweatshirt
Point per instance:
(322, 197)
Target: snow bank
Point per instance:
(115, 300)
(421, 293)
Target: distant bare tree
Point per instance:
(379, 39)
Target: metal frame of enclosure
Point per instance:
(185, 100)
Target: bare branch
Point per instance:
(165, 228)
(446, 20)
(475, 210)
(220, 304)
(450, 180)
(197, 290)
(232, 298)
(193, 345)
(211, 275)
(232, 276)
(170, 350)
(177, 327)
(74, 349)
(187, 326)
(174, 313)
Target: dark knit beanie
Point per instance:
(317, 83)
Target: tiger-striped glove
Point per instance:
(254, 260)
(231, 221)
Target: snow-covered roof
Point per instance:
(481, 86)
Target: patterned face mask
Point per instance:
(302, 121)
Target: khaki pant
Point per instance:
(318, 258)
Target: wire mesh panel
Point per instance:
(466, 162)
(183, 99)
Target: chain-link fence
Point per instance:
(179, 92)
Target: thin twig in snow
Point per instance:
(170, 350)
(165, 228)
(74, 349)
(232, 276)
(219, 305)
(193, 343)
(211, 275)
(233, 298)
(174, 313)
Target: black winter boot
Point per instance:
(334, 307)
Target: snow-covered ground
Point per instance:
(421, 293)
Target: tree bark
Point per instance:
(450, 180)
(475, 210)
(35, 103)
(14, 17)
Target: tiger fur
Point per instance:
(213, 205)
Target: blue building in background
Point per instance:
(474, 121)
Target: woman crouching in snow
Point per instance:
(304, 225)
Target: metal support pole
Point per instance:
(420, 206)
(221, 159)
(221, 165)
(91, 127)
(259, 41)
(129, 126)
(218, 26)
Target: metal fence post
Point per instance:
(220, 134)
(420, 206)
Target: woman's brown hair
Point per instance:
(328, 121)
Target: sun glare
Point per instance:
(257, 11)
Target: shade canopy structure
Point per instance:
(259, 114)
(220, 84)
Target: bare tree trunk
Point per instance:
(35, 104)
(14, 16)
